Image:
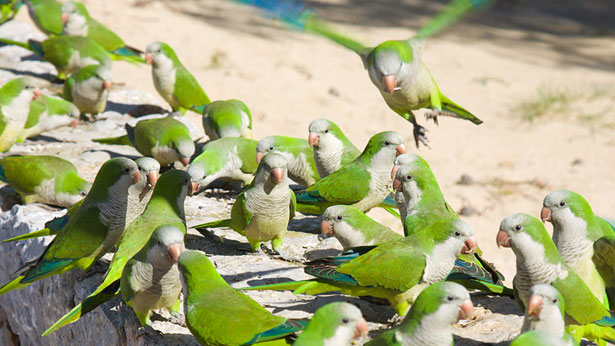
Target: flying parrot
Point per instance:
(332, 149)
(298, 153)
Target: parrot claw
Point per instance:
(432, 115)
(149, 331)
(420, 135)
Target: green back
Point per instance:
(215, 154)
(26, 172)
(47, 15)
(59, 50)
(37, 108)
(11, 89)
(163, 131)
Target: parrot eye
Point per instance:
(82, 193)
(562, 203)
(555, 301)
(450, 298)
(126, 170)
(409, 177)
(271, 148)
(339, 217)
(518, 227)
(345, 320)
(457, 233)
(185, 181)
(387, 143)
(326, 131)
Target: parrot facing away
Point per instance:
(48, 113)
(173, 81)
(93, 231)
(227, 118)
(15, 98)
(217, 314)
(298, 153)
(394, 66)
(150, 280)
(262, 211)
(431, 318)
(45, 179)
(332, 149)
(166, 207)
(46, 15)
(88, 88)
(334, 324)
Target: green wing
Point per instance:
(348, 185)
(293, 204)
(187, 90)
(15, 167)
(581, 304)
(240, 215)
(47, 16)
(103, 36)
(604, 260)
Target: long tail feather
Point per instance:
(215, 224)
(6, 41)
(12, 285)
(284, 329)
(3, 175)
(36, 234)
(121, 140)
(450, 106)
(126, 56)
(451, 14)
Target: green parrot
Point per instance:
(397, 271)
(352, 228)
(45, 179)
(150, 279)
(400, 199)
(219, 315)
(165, 139)
(78, 22)
(66, 53)
(364, 183)
(332, 149)
(15, 98)
(231, 158)
(298, 153)
(166, 207)
(90, 233)
(334, 324)
(9, 9)
(262, 211)
(576, 231)
(539, 262)
(539, 337)
(173, 81)
(46, 15)
(227, 118)
(431, 318)
(394, 66)
(48, 113)
(88, 88)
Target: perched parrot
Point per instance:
(431, 318)
(586, 242)
(46, 15)
(165, 139)
(394, 67)
(231, 158)
(539, 262)
(332, 149)
(173, 81)
(364, 183)
(88, 88)
(298, 153)
(217, 314)
(539, 337)
(334, 324)
(150, 280)
(400, 199)
(227, 118)
(45, 179)
(15, 98)
(9, 9)
(48, 113)
(397, 271)
(166, 207)
(78, 22)
(352, 228)
(90, 233)
(262, 211)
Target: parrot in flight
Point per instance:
(334, 324)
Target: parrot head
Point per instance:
(562, 206)
(390, 64)
(447, 302)
(186, 148)
(149, 168)
(527, 237)
(345, 319)
(545, 303)
(74, 18)
(272, 144)
(117, 173)
(413, 179)
(159, 54)
(323, 133)
(165, 245)
(100, 73)
(405, 159)
(383, 147)
(271, 169)
(337, 216)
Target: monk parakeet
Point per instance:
(92, 232)
(332, 149)
(48, 113)
(231, 158)
(394, 66)
(262, 211)
(364, 183)
(88, 88)
(166, 207)
(46, 15)
(397, 271)
(173, 81)
(9, 9)
(334, 324)
(576, 230)
(353, 228)
(400, 199)
(150, 280)
(539, 262)
(78, 22)
(217, 314)
(431, 318)
(165, 139)
(542, 338)
(15, 98)
(298, 153)
(46, 179)
(227, 118)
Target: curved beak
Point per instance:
(185, 161)
(360, 328)
(397, 186)
(152, 178)
(277, 175)
(390, 83)
(465, 310)
(259, 157)
(314, 139)
(174, 251)
(107, 84)
(136, 177)
(149, 58)
(545, 214)
(64, 18)
(470, 245)
(326, 228)
(394, 171)
(503, 239)
(194, 188)
(74, 123)
(534, 306)
(401, 149)
(36, 94)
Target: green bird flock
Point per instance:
(136, 207)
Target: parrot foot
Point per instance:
(149, 331)
(420, 135)
(177, 318)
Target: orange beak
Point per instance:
(152, 178)
(194, 187)
(174, 251)
(545, 214)
(136, 177)
(36, 94)
(74, 123)
(390, 82)
(503, 239)
(326, 228)
(107, 84)
(360, 328)
(64, 18)
(149, 59)
(465, 310)
(401, 149)
(397, 186)
(314, 139)
(185, 161)
(394, 171)
(469, 246)
(259, 157)
(277, 175)
(534, 307)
